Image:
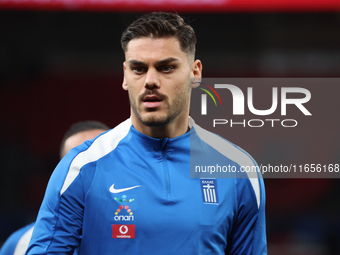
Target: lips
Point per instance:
(152, 101)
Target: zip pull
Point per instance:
(164, 141)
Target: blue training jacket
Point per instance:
(18, 241)
(127, 193)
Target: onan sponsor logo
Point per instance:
(123, 209)
(124, 218)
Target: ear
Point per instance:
(196, 73)
(196, 69)
(124, 85)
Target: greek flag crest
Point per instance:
(209, 191)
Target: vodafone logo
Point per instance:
(123, 231)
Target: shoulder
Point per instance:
(239, 156)
(102, 144)
(225, 147)
(18, 242)
(91, 151)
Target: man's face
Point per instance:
(157, 76)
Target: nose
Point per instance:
(152, 79)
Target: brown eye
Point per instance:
(138, 69)
(167, 69)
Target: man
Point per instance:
(130, 191)
(79, 132)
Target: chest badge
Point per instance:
(209, 191)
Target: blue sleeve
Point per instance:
(248, 236)
(260, 238)
(9, 246)
(58, 227)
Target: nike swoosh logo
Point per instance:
(113, 190)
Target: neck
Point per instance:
(177, 127)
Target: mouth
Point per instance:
(152, 101)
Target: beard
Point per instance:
(159, 117)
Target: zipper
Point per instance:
(166, 169)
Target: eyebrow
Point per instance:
(160, 62)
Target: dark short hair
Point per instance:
(80, 127)
(161, 25)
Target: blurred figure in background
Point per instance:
(79, 132)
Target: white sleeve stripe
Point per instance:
(231, 152)
(23, 242)
(99, 148)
